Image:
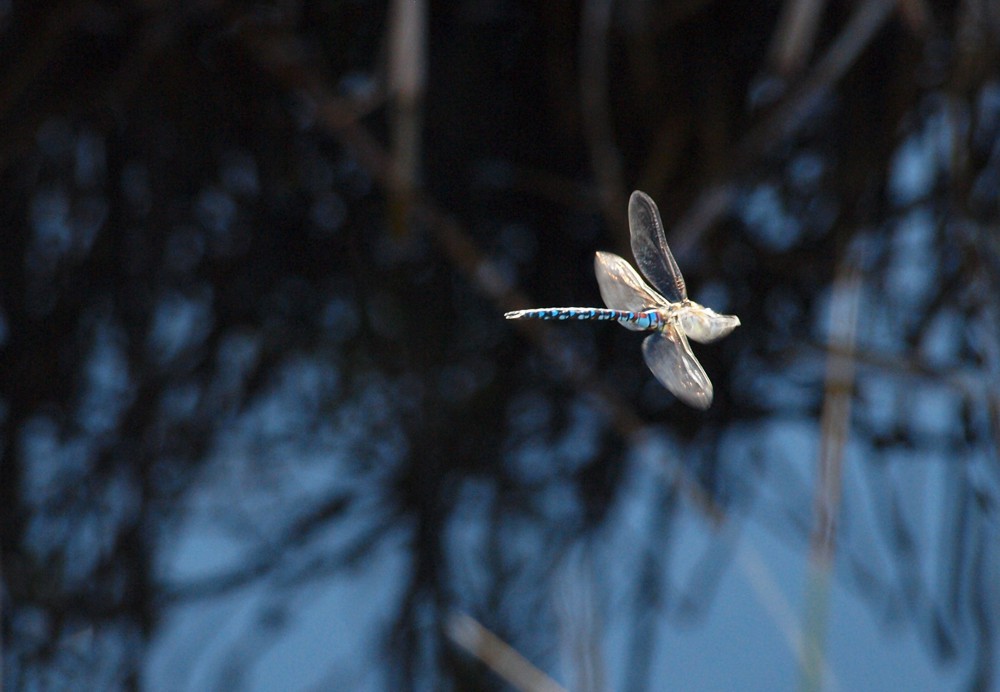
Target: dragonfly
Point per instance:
(666, 310)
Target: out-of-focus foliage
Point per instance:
(253, 367)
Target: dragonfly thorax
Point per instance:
(702, 324)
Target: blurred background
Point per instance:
(265, 427)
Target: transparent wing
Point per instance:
(621, 286)
(705, 325)
(649, 245)
(669, 356)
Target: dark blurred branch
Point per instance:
(984, 672)
(918, 602)
(967, 381)
(916, 14)
(27, 70)
(598, 128)
(270, 559)
(786, 119)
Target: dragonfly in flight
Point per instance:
(634, 304)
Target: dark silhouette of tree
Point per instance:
(252, 276)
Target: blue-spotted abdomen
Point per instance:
(638, 320)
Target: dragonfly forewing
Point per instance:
(621, 286)
(669, 356)
(649, 245)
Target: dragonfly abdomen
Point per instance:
(642, 320)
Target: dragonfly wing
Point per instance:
(669, 356)
(621, 286)
(649, 245)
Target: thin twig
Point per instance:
(500, 656)
(774, 602)
(406, 80)
(598, 128)
(834, 428)
(795, 35)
